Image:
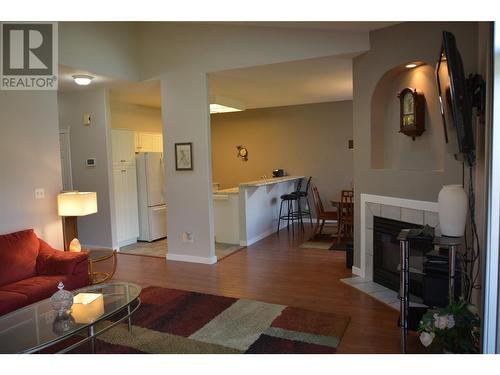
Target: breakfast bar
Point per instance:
(248, 213)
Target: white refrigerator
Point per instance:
(151, 196)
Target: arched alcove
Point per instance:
(393, 150)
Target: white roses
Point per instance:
(444, 321)
(426, 338)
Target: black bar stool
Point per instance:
(291, 214)
(304, 194)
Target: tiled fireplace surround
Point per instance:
(408, 210)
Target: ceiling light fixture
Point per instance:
(219, 108)
(82, 79)
(410, 66)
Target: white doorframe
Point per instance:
(490, 339)
(65, 145)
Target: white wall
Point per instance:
(415, 41)
(29, 159)
(185, 53)
(174, 46)
(182, 54)
(107, 48)
(94, 141)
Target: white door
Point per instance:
(146, 142)
(126, 209)
(64, 141)
(123, 146)
(120, 210)
(158, 143)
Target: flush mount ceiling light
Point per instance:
(219, 108)
(82, 79)
(221, 104)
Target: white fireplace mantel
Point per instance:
(408, 210)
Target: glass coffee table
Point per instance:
(37, 326)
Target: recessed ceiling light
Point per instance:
(82, 79)
(219, 108)
(409, 66)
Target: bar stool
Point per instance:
(304, 194)
(291, 214)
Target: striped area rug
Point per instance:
(176, 321)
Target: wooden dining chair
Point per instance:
(346, 213)
(321, 215)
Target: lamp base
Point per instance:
(70, 230)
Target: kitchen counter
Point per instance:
(269, 181)
(234, 190)
(248, 213)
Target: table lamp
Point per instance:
(70, 205)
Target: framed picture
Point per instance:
(184, 156)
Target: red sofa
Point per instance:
(30, 270)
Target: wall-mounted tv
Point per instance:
(454, 97)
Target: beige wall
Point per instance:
(310, 140)
(30, 159)
(419, 41)
(135, 117)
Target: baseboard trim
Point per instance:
(85, 246)
(357, 271)
(263, 235)
(260, 236)
(126, 242)
(191, 258)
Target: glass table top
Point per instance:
(37, 326)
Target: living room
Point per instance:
(387, 164)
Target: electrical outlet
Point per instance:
(187, 237)
(39, 193)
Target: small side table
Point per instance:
(404, 277)
(451, 243)
(100, 255)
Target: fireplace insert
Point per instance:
(386, 256)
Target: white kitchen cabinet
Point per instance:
(126, 208)
(123, 146)
(148, 142)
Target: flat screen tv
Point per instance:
(454, 97)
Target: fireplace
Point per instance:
(386, 255)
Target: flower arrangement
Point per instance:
(452, 329)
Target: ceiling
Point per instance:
(331, 25)
(297, 82)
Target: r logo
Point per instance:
(27, 49)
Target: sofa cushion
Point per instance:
(40, 287)
(57, 262)
(10, 301)
(18, 253)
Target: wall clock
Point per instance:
(412, 112)
(242, 152)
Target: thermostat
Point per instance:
(90, 162)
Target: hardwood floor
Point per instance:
(276, 270)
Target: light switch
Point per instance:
(86, 119)
(39, 193)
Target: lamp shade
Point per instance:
(76, 203)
